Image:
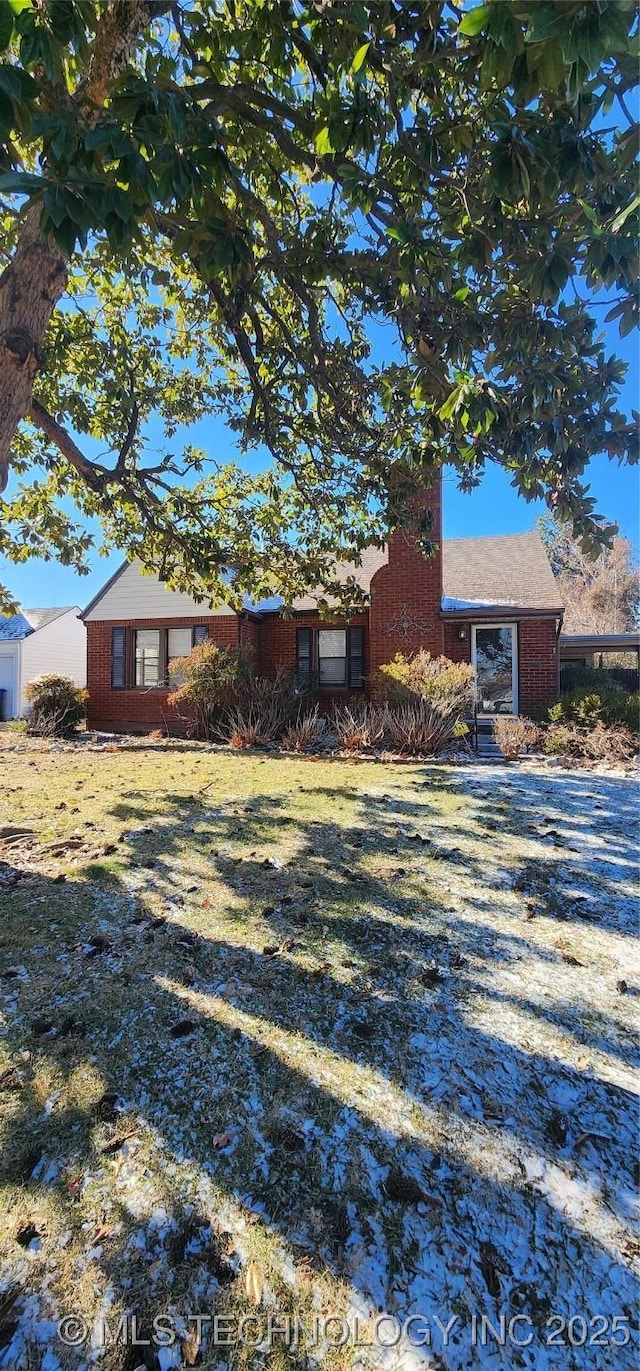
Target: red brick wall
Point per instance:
(250, 639)
(140, 709)
(538, 667)
(457, 649)
(409, 585)
(538, 670)
(278, 642)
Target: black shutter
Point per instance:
(118, 658)
(355, 642)
(304, 648)
(200, 634)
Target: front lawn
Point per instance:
(314, 1038)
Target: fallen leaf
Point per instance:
(190, 1346)
(102, 1232)
(222, 1139)
(253, 1283)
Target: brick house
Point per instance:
(492, 601)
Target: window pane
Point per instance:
(147, 656)
(179, 642)
(494, 670)
(333, 670)
(332, 642)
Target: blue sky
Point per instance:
(493, 508)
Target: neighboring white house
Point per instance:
(36, 642)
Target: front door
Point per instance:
(495, 658)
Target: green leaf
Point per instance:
(323, 141)
(20, 183)
(360, 57)
(6, 24)
(621, 218)
(474, 22)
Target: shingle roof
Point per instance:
(13, 627)
(512, 569)
(372, 559)
(39, 617)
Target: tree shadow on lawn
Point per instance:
(378, 1132)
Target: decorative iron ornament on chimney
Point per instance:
(405, 624)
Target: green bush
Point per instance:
(590, 678)
(57, 705)
(423, 677)
(587, 708)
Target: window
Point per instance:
(147, 656)
(332, 656)
(152, 653)
(179, 644)
(335, 654)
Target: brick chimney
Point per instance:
(406, 594)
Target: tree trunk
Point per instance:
(36, 278)
(30, 288)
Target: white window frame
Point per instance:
(343, 657)
(514, 663)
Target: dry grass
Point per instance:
(218, 975)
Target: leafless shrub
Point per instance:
(264, 709)
(358, 725)
(514, 734)
(305, 732)
(252, 724)
(423, 727)
(602, 743)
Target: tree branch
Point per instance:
(94, 476)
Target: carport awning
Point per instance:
(600, 642)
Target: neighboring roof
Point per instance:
(602, 642)
(17, 626)
(13, 627)
(511, 570)
(39, 617)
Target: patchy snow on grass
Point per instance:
(320, 1040)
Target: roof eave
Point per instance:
(503, 612)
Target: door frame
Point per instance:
(10, 651)
(514, 663)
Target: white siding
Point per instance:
(10, 677)
(60, 646)
(134, 595)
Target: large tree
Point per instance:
(601, 594)
(372, 237)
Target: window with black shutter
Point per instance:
(118, 658)
(335, 654)
(200, 634)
